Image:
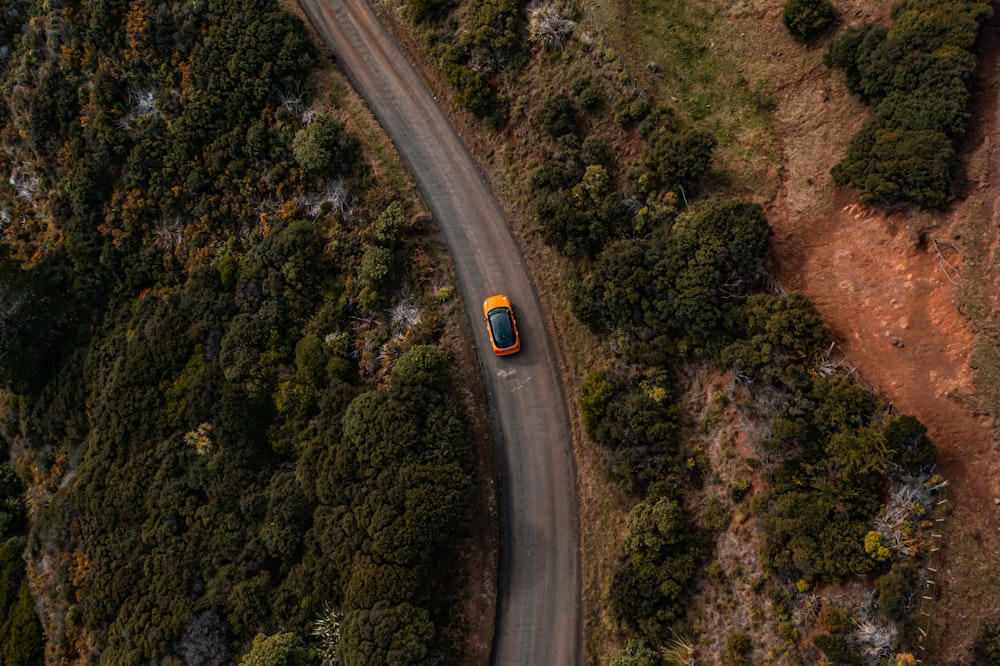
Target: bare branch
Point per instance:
(547, 27)
(950, 270)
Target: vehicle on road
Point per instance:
(501, 325)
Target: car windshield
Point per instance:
(502, 327)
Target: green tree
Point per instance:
(595, 393)
(283, 649)
(385, 634)
(12, 514)
(891, 167)
(782, 337)
(637, 653)
(324, 148)
(496, 27)
(807, 19)
(21, 640)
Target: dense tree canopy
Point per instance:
(684, 282)
(917, 73)
(196, 268)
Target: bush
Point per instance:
(835, 619)
(12, 512)
(807, 19)
(893, 167)
(426, 10)
(594, 395)
(324, 148)
(628, 112)
(589, 93)
(472, 92)
(781, 339)
(917, 72)
(21, 639)
(988, 647)
(897, 592)
(678, 156)
(837, 651)
(637, 653)
(906, 438)
(496, 27)
(558, 116)
(738, 649)
(662, 555)
(278, 650)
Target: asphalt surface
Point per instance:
(539, 615)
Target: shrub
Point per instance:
(594, 395)
(807, 19)
(988, 646)
(678, 156)
(782, 337)
(497, 28)
(917, 71)
(738, 649)
(835, 619)
(324, 148)
(589, 93)
(471, 92)
(558, 116)
(422, 365)
(630, 111)
(896, 592)
(637, 653)
(906, 438)
(893, 167)
(426, 10)
(837, 651)
(284, 649)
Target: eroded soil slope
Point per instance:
(887, 286)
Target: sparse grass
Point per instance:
(981, 260)
(703, 65)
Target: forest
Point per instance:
(233, 436)
(228, 418)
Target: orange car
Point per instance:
(501, 325)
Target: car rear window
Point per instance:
(503, 330)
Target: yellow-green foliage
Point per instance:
(874, 547)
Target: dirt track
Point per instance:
(539, 617)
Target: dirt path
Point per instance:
(539, 616)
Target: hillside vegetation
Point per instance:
(829, 493)
(239, 440)
(233, 438)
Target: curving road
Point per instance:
(539, 616)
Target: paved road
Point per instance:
(539, 618)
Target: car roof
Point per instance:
(502, 325)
